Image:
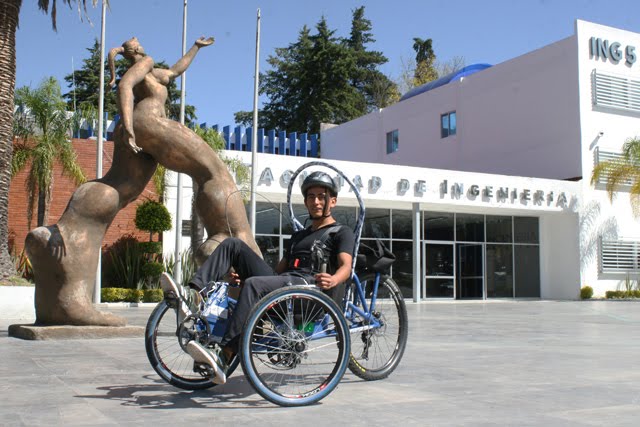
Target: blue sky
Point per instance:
(220, 81)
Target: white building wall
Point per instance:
(600, 217)
(507, 119)
(559, 257)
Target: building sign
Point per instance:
(611, 50)
(446, 189)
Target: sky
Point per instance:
(220, 80)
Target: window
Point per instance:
(448, 124)
(392, 141)
(615, 92)
(619, 256)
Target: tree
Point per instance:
(43, 130)
(86, 89)
(622, 172)
(451, 66)
(9, 12)
(379, 91)
(84, 85)
(245, 118)
(425, 60)
(407, 80)
(322, 78)
(310, 83)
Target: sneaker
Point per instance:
(215, 360)
(175, 296)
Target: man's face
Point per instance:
(316, 200)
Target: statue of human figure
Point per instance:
(65, 255)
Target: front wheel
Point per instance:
(377, 351)
(165, 341)
(295, 346)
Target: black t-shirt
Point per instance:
(337, 238)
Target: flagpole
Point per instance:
(177, 270)
(254, 133)
(98, 283)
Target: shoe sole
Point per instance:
(168, 286)
(200, 355)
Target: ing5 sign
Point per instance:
(613, 51)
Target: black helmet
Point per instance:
(319, 179)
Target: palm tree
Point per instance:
(622, 172)
(9, 12)
(425, 60)
(43, 130)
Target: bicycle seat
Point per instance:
(378, 259)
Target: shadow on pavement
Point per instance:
(164, 396)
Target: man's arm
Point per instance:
(282, 266)
(342, 274)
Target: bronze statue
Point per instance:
(65, 255)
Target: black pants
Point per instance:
(259, 280)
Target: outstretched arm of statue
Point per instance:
(184, 62)
(132, 77)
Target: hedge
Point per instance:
(623, 294)
(131, 295)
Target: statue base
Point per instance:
(68, 332)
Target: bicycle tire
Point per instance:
(279, 355)
(388, 342)
(166, 355)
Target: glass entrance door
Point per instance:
(439, 268)
(470, 277)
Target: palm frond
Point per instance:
(21, 155)
(31, 185)
(622, 172)
(69, 161)
(81, 6)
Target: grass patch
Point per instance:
(15, 281)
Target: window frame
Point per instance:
(449, 130)
(393, 145)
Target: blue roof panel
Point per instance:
(455, 76)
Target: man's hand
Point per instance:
(234, 278)
(325, 281)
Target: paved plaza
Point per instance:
(467, 363)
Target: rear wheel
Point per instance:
(376, 352)
(295, 346)
(165, 342)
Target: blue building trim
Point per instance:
(271, 141)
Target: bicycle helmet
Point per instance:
(319, 179)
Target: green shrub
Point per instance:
(113, 294)
(150, 247)
(188, 263)
(153, 217)
(121, 295)
(122, 263)
(614, 294)
(24, 268)
(586, 292)
(152, 295)
(134, 295)
(152, 270)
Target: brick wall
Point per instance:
(63, 188)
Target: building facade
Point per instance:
(552, 113)
(480, 181)
(456, 235)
